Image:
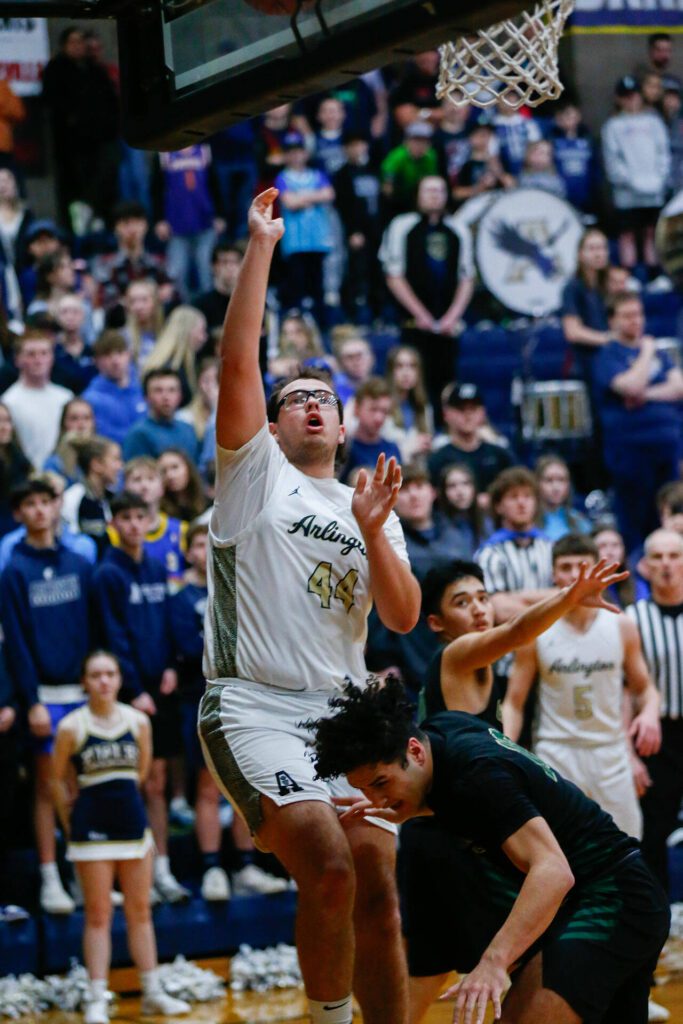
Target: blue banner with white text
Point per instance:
(630, 16)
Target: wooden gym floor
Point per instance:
(285, 1006)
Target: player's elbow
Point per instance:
(563, 877)
(402, 621)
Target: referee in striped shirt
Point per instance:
(517, 559)
(660, 621)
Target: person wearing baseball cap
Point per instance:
(637, 160)
(305, 197)
(405, 166)
(464, 415)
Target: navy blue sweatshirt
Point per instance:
(132, 603)
(44, 596)
(187, 620)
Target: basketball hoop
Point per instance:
(514, 59)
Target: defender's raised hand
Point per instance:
(588, 588)
(375, 496)
(261, 221)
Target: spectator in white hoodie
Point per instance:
(637, 159)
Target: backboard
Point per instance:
(191, 67)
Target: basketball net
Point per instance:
(515, 60)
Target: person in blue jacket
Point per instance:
(115, 393)
(160, 428)
(132, 603)
(44, 608)
(639, 391)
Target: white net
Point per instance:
(514, 59)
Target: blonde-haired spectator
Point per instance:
(176, 348)
(144, 318)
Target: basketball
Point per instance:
(279, 6)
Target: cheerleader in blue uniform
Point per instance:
(108, 744)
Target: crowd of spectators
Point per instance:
(109, 376)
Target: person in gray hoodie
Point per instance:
(637, 158)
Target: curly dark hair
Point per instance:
(369, 726)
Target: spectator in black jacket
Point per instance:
(358, 191)
(84, 117)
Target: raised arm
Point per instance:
(475, 650)
(241, 410)
(521, 679)
(395, 590)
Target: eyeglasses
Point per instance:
(299, 398)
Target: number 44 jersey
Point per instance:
(288, 575)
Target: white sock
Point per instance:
(333, 1011)
(151, 985)
(49, 873)
(98, 988)
(162, 867)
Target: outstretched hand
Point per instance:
(588, 589)
(488, 982)
(261, 222)
(352, 809)
(375, 496)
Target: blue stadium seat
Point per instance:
(195, 929)
(19, 949)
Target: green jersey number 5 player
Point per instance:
(296, 559)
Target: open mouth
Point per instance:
(314, 422)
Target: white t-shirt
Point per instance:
(36, 413)
(288, 576)
(581, 683)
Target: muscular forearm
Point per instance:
(534, 620)
(540, 897)
(242, 327)
(507, 603)
(395, 590)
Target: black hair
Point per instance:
(125, 501)
(67, 32)
(658, 37)
(160, 372)
(304, 373)
(575, 544)
(437, 579)
(25, 490)
(368, 726)
(355, 136)
(128, 210)
(220, 247)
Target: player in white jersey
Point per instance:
(582, 662)
(296, 559)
